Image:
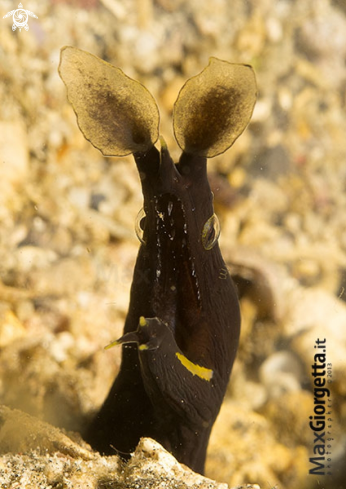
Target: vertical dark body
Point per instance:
(182, 330)
(190, 295)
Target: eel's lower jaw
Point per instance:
(126, 339)
(148, 335)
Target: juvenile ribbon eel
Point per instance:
(182, 329)
(176, 365)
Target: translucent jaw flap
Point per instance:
(119, 116)
(214, 107)
(116, 114)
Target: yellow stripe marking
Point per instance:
(201, 372)
(142, 321)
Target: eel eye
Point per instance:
(211, 232)
(139, 226)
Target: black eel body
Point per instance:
(177, 359)
(182, 330)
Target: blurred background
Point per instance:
(67, 217)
